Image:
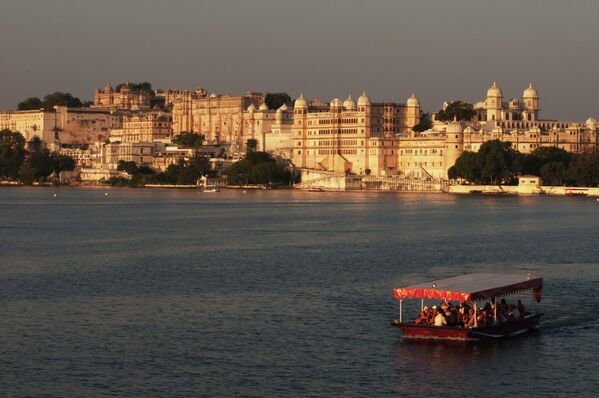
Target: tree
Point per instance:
(257, 168)
(584, 170)
(497, 161)
(276, 100)
(466, 167)
(31, 103)
(143, 86)
(49, 101)
(128, 167)
(553, 173)
(459, 110)
(12, 154)
(425, 122)
(534, 161)
(189, 140)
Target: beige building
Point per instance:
(124, 99)
(218, 117)
(358, 137)
(34, 123)
(143, 126)
(62, 126)
(517, 121)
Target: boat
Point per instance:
(471, 289)
(570, 192)
(315, 189)
(211, 189)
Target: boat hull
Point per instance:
(506, 329)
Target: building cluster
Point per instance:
(352, 136)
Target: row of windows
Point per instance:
(338, 121)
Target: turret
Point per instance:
(454, 145)
(493, 103)
(530, 98)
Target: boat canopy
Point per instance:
(472, 287)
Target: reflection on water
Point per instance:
(177, 293)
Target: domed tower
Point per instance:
(336, 105)
(413, 111)
(530, 98)
(454, 145)
(363, 102)
(349, 104)
(493, 103)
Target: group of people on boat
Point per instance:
(464, 315)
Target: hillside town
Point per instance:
(135, 124)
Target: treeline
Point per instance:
(185, 172)
(51, 100)
(258, 168)
(497, 162)
(29, 161)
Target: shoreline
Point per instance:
(476, 190)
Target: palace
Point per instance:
(360, 137)
(122, 98)
(433, 152)
(219, 117)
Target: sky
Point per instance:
(441, 50)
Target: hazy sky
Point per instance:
(446, 49)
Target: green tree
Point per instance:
(143, 86)
(42, 164)
(276, 100)
(534, 161)
(498, 162)
(26, 174)
(459, 110)
(59, 98)
(425, 122)
(466, 167)
(553, 173)
(257, 168)
(584, 170)
(12, 154)
(189, 140)
(128, 167)
(63, 163)
(31, 103)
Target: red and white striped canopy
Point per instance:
(471, 287)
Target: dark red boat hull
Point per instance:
(507, 329)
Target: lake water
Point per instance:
(160, 293)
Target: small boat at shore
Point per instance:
(211, 190)
(315, 189)
(470, 289)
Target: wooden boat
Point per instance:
(315, 189)
(470, 288)
(570, 192)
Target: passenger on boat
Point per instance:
(470, 319)
(521, 308)
(514, 314)
(423, 316)
(440, 319)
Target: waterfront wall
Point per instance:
(521, 190)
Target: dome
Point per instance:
(530, 92)
(263, 107)
(591, 120)
(349, 104)
(283, 107)
(413, 101)
(251, 108)
(336, 103)
(494, 91)
(301, 102)
(363, 100)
